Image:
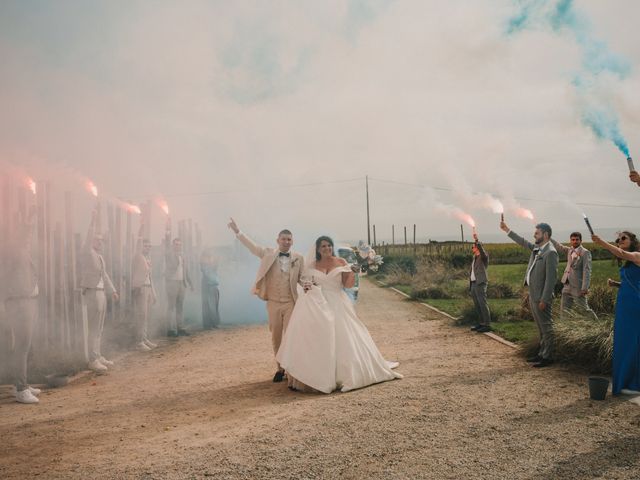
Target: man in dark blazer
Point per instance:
(478, 280)
(540, 277)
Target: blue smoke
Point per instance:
(561, 16)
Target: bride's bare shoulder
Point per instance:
(341, 261)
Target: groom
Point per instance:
(276, 283)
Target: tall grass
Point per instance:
(580, 340)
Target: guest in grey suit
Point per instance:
(541, 279)
(20, 295)
(577, 275)
(177, 278)
(94, 281)
(478, 280)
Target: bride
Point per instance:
(326, 347)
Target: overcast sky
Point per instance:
(252, 99)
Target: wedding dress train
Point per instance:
(326, 346)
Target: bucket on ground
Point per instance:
(598, 388)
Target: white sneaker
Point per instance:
(626, 391)
(142, 347)
(106, 363)
(97, 367)
(149, 343)
(25, 396)
(33, 390)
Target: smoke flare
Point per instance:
(32, 185)
(560, 16)
(164, 206)
(91, 188)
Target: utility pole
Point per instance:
(462, 233)
(366, 178)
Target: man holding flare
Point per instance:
(540, 277)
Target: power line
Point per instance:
(360, 179)
(526, 199)
(248, 190)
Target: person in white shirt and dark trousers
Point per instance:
(478, 281)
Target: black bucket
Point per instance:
(598, 388)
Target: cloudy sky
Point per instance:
(274, 112)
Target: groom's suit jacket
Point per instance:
(269, 256)
(543, 266)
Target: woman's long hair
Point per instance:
(634, 245)
(321, 239)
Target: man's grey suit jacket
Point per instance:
(544, 269)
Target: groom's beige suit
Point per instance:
(276, 283)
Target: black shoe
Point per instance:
(475, 327)
(172, 333)
(534, 359)
(545, 362)
(183, 333)
(279, 376)
(483, 329)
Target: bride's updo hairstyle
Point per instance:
(321, 239)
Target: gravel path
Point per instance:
(205, 407)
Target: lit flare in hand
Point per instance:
(164, 206)
(32, 185)
(133, 208)
(465, 217)
(91, 188)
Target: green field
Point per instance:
(514, 274)
(504, 311)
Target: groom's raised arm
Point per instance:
(257, 250)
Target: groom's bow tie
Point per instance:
(283, 254)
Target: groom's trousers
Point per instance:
(279, 315)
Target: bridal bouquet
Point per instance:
(367, 258)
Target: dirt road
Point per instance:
(205, 407)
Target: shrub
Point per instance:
(404, 263)
(585, 342)
(468, 314)
(602, 299)
(396, 275)
(500, 290)
(430, 292)
(460, 260)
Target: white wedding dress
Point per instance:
(326, 346)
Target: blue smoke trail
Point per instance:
(597, 59)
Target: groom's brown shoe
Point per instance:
(279, 376)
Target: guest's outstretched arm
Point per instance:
(617, 251)
(560, 247)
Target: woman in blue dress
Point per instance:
(626, 328)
